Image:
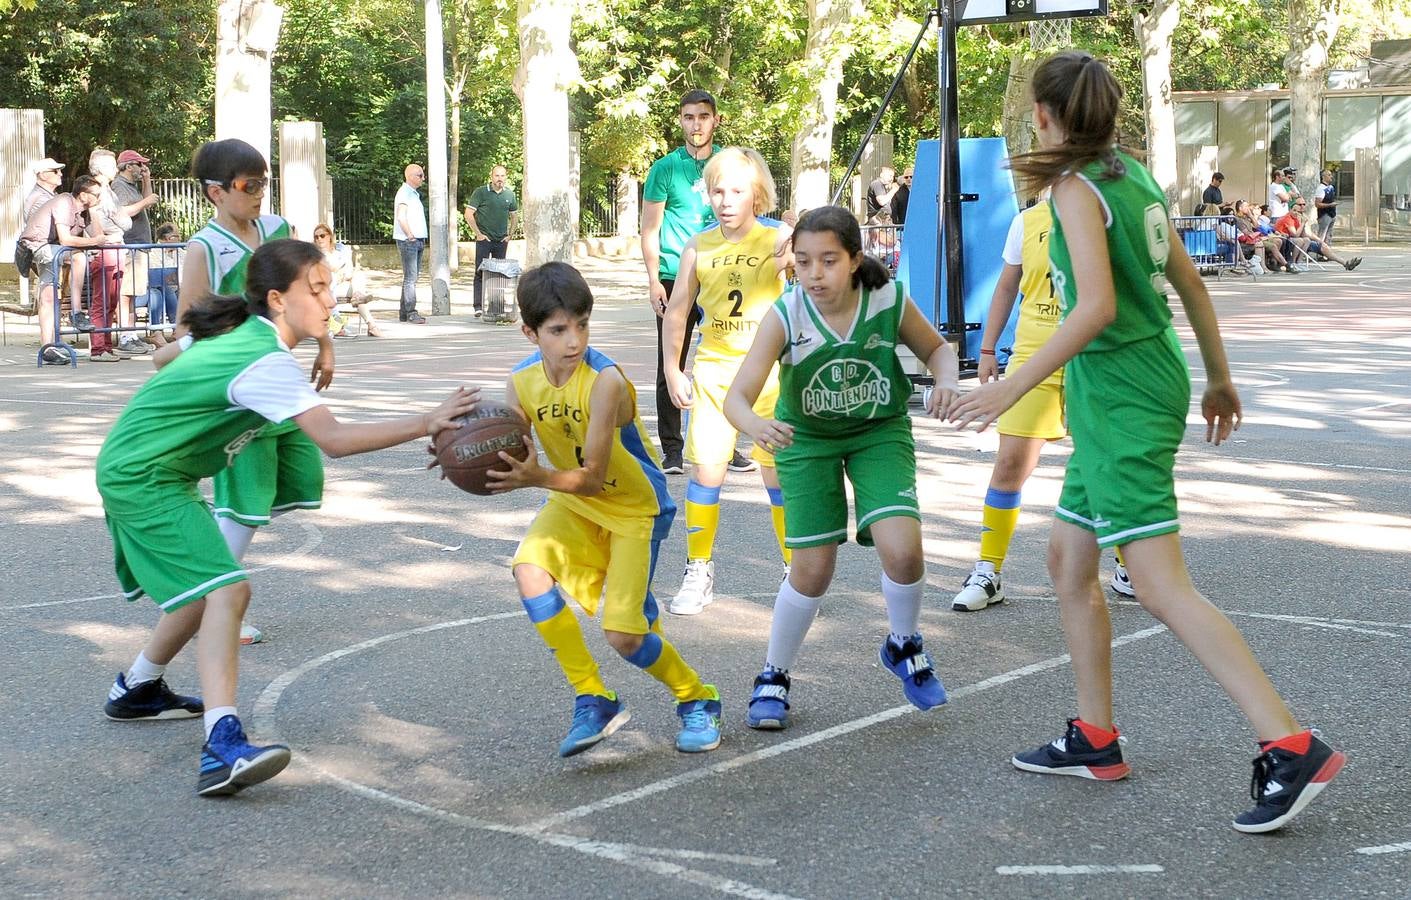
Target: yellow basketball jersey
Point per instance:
(634, 501)
(739, 283)
(1039, 311)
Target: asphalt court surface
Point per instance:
(424, 713)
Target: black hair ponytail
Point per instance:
(273, 267)
(871, 273)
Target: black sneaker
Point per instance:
(416, 319)
(671, 465)
(53, 356)
(1072, 754)
(739, 462)
(1284, 782)
(150, 700)
(81, 321)
(1352, 263)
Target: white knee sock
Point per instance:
(237, 536)
(215, 715)
(903, 607)
(143, 670)
(793, 614)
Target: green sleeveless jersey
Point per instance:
(227, 255)
(833, 384)
(190, 419)
(1138, 240)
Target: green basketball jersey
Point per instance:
(831, 384)
(1138, 240)
(190, 419)
(227, 255)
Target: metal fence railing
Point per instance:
(1211, 242)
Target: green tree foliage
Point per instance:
(113, 74)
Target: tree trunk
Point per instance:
(1313, 24)
(823, 67)
(625, 199)
(1019, 103)
(1154, 26)
(453, 183)
(547, 66)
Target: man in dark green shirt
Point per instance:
(491, 215)
(675, 207)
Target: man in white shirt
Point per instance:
(1278, 196)
(409, 231)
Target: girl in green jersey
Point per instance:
(188, 422)
(1128, 392)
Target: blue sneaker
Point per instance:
(769, 704)
(594, 718)
(918, 679)
(148, 701)
(700, 723)
(230, 763)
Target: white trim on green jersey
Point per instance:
(226, 254)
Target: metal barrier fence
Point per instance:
(884, 242)
(1211, 241)
(148, 273)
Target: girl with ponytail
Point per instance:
(188, 422)
(1112, 251)
(842, 412)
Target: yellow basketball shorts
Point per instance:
(710, 438)
(592, 564)
(1039, 413)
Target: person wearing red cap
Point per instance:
(133, 191)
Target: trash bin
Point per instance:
(499, 279)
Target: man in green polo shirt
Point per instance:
(490, 214)
(675, 207)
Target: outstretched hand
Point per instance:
(941, 400)
(460, 403)
(982, 406)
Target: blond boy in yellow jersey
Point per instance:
(607, 513)
(734, 272)
(1038, 416)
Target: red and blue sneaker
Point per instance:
(1098, 757)
(230, 763)
(1287, 776)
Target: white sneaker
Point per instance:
(249, 634)
(1121, 584)
(981, 589)
(697, 588)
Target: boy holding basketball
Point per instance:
(608, 511)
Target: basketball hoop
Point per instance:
(1050, 34)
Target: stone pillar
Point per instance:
(247, 34)
(21, 146)
(629, 213)
(303, 171)
(575, 183)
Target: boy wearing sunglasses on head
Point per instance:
(281, 469)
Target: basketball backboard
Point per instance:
(984, 12)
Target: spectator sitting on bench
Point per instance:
(1300, 233)
(59, 223)
(347, 282)
(163, 278)
(1257, 244)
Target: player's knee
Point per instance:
(625, 644)
(1071, 576)
(234, 597)
(532, 581)
(904, 566)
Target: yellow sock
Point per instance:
(702, 520)
(997, 524)
(659, 659)
(558, 626)
(776, 515)
(1120, 561)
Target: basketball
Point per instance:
(468, 452)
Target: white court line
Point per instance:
(89, 404)
(1319, 623)
(1403, 847)
(1079, 870)
(808, 740)
(313, 538)
(1306, 463)
(264, 721)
